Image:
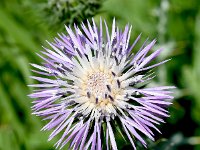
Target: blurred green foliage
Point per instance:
(175, 24)
(59, 12)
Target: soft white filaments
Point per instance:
(100, 92)
(101, 87)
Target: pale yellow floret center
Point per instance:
(96, 84)
(99, 88)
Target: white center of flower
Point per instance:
(96, 84)
(99, 89)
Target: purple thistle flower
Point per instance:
(91, 84)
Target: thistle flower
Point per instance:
(92, 87)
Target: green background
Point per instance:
(24, 27)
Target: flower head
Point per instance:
(89, 85)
